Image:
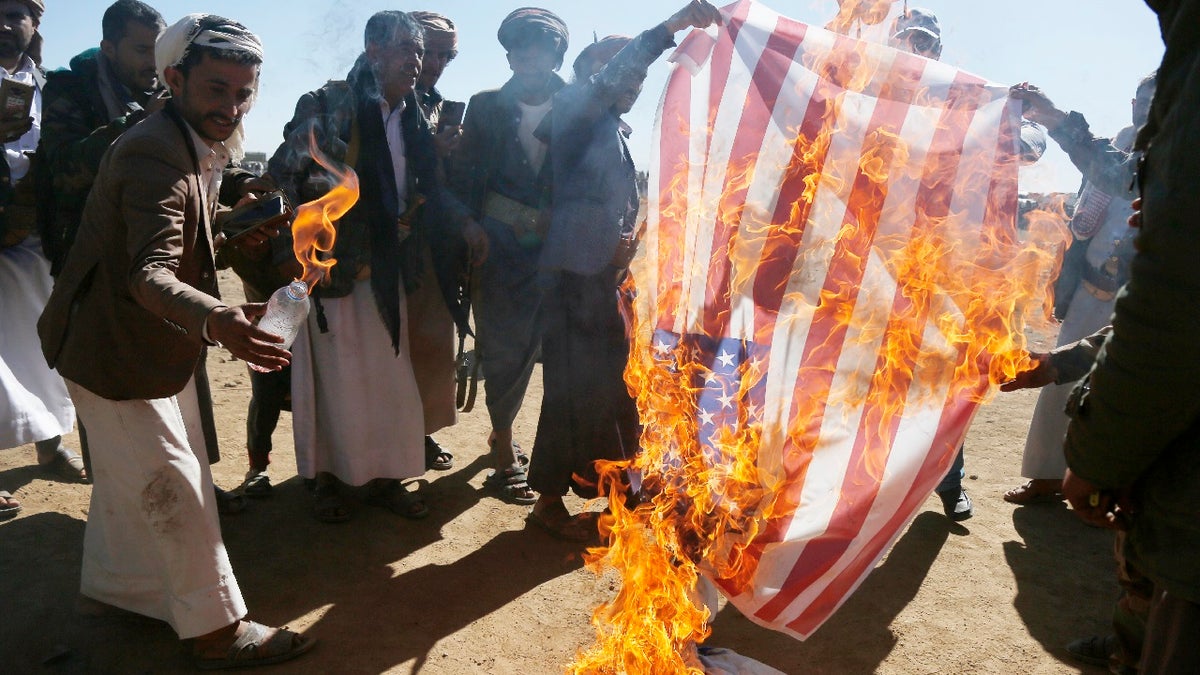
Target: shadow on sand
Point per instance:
(288, 565)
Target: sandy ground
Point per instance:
(472, 589)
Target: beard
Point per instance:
(11, 47)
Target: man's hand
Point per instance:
(1041, 374)
(231, 327)
(697, 13)
(1135, 218)
(255, 244)
(11, 130)
(1036, 106)
(258, 186)
(1093, 505)
(445, 142)
(477, 242)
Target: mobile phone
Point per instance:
(16, 100)
(255, 215)
(451, 115)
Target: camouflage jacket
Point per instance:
(76, 132)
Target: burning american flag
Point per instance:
(831, 282)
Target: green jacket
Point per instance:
(1136, 421)
(76, 132)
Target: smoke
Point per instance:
(334, 38)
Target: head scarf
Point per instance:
(527, 22)
(206, 30)
(437, 26)
(600, 51)
(36, 7)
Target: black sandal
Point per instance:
(513, 485)
(329, 507)
(436, 457)
(395, 497)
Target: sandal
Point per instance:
(1035, 491)
(395, 497)
(512, 484)
(253, 647)
(66, 465)
(518, 453)
(257, 484)
(436, 458)
(578, 528)
(329, 507)
(9, 507)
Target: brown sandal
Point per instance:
(9, 507)
(395, 497)
(328, 505)
(579, 528)
(1035, 491)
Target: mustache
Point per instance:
(223, 119)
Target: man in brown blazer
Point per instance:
(131, 312)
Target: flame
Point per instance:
(704, 505)
(313, 231)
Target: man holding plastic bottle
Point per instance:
(131, 312)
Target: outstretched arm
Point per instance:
(1110, 168)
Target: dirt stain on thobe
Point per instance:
(160, 501)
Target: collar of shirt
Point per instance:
(212, 164)
(25, 67)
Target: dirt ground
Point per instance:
(472, 589)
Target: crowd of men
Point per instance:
(138, 158)
(522, 215)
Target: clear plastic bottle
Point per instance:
(287, 311)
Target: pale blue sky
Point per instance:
(1086, 54)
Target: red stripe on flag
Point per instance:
(758, 110)
(952, 425)
(791, 213)
(674, 174)
(1001, 213)
(905, 329)
(722, 61)
(830, 323)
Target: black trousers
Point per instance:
(269, 394)
(587, 413)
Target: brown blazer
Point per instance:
(126, 316)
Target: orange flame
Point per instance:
(704, 507)
(313, 231)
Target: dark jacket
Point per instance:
(594, 181)
(1136, 423)
(489, 157)
(367, 234)
(1102, 163)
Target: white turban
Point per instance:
(206, 30)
